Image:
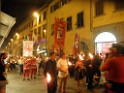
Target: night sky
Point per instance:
(20, 9)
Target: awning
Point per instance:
(6, 23)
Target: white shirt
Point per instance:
(63, 65)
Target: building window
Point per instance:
(119, 4)
(64, 2)
(57, 5)
(39, 30)
(40, 19)
(44, 15)
(52, 9)
(80, 21)
(99, 7)
(32, 23)
(35, 22)
(44, 30)
(52, 29)
(69, 23)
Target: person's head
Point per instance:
(3, 55)
(52, 55)
(62, 55)
(122, 45)
(116, 49)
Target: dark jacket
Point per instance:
(2, 69)
(50, 67)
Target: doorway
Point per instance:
(103, 42)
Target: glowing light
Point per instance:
(91, 56)
(11, 40)
(105, 37)
(80, 57)
(17, 35)
(36, 14)
(48, 77)
(69, 63)
(44, 31)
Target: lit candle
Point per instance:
(48, 77)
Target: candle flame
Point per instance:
(48, 77)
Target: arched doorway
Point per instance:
(103, 42)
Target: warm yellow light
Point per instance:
(36, 14)
(69, 63)
(91, 56)
(17, 35)
(48, 77)
(44, 31)
(11, 40)
(80, 57)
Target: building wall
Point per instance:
(111, 21)
(110, 16)
(71, 9)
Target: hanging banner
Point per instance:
(27, 48)
(76, 47)
(59, 33)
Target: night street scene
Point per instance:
(61, 46)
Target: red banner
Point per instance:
(59, 34)
(76, 48)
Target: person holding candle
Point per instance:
(50, 72)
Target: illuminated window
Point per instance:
(44, 30)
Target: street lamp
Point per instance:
(11, 40)
(44, 31)
(17, 35)
(37, 16)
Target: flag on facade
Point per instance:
(27, 48)
(59, 33)
(76, 46)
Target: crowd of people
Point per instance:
(76, 67)
(83, 68)
(91, 69)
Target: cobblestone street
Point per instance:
(38, 85)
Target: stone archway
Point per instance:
(103, 42)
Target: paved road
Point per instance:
(38, 85)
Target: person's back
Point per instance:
(117, 69)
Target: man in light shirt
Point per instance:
(39, 60)
(62, 66)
